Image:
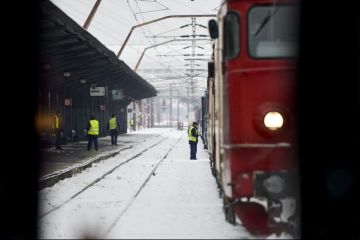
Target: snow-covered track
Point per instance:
(152, 173)
(106, 174)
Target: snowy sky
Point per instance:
(180, 201)
(114, 19)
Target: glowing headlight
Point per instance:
(273, 120)
(274, 184)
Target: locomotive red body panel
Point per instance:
(255, 81)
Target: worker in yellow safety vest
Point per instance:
(132, 125)
(93, 132)
(57, 126)
(113, 126)
(193, 134)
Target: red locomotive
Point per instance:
(251, 116)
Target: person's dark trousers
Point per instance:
(114, 135)
(193, 150)
(92, 138)
(58, 139)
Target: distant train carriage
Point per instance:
(251, 127)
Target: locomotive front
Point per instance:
(258, 151)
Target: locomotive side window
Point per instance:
(231, 35)
(273, 31)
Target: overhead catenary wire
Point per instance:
(187, 6)
(147, 27)
(156, 10)
(153, 59)
(172, 30)
(142, 30)
(106, 29)
(102, 10)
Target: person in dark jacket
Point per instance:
(113, 126)
(57, 126)
(93, 132)
(193, 135)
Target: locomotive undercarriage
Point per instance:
(262, 217)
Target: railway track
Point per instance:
(51, 179)
(142, 186)
(75, 195)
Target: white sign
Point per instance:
(67, 102)
(97, 91)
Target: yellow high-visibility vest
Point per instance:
(94, 127)
(56, 124)
(191, 137)
(112, 123)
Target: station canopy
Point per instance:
(72, 57)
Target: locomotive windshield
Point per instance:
(273, 31)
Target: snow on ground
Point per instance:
(64, 189)
(180, 201)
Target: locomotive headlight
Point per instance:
(274, 184)
(273, 121)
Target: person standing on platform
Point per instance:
(57, 126)
(132, 125)
(113, 126)
(193, 134)
(93, 132)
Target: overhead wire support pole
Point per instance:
(143, 53)
(157, 20)
(91, 15)
(163, 43)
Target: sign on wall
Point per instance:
(67, 102)
(117, 94)
(97, 91)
